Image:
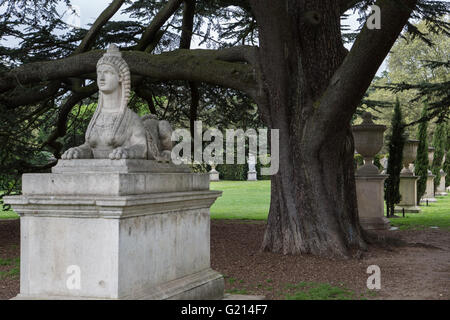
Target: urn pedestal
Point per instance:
(213, 174)
(368, 138)
(408, 191)
(441, 188)
(370, 195)
(251, 174)
(408, 181)
(429, 191)
(116, 229)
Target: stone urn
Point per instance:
(368, 138)
(409, 155)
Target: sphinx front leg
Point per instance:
(81, 152)
(134, 152)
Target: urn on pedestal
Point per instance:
(408, 181)
(368, 138)
(429, 191)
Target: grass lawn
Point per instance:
(250, 200)
(437, 214)
(241, 200)
(8, 214)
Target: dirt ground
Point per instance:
(419, 270)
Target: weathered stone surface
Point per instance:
(133, 235)
(440, 191)
(429, 191)
(115, 131)
(408, 192)
(370, 196)
(117, 166)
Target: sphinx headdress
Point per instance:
(113, 57)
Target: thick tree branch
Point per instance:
(191, 65)
(149, 34)
(351, 80)
(30, 96)
(89, 39)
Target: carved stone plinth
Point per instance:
(214, 175)
(440, 191)
(370, 195)
(252, 176)
(408, 191)
(117, 233)
(429, 191)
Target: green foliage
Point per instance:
(439, 144)
(421, 162)
(396, 142)
(447, 168)
(416, 72)
(234, 172)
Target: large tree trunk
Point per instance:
(313, 200)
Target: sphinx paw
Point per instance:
(72, 153)
(119, 153)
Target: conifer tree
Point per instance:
(439, 143)
(396, 143)
(421, 163)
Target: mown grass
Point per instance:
(8, 215)
(249, 200)
(436, 214)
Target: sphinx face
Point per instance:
(108, 80)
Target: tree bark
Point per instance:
(310, 98)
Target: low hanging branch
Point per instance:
(212, 66)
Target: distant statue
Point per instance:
(115, 131)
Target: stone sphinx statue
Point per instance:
(115, 131)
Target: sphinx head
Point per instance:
(113, 73)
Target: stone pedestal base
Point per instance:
(251, 176)
(429, 192)
(408, 191)
(370, 195)
(109, 235)
(440, 190)
(214, 175)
